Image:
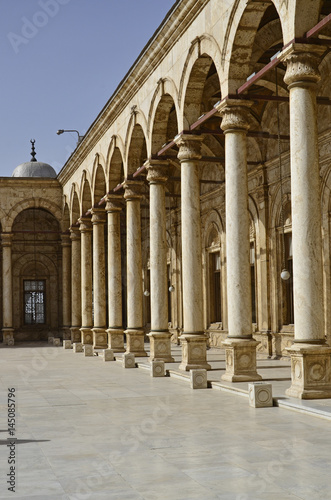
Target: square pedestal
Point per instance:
(75, 334)
(100, 338)
(157, 368)
(240, 360)
(77, 347)
(260, 394)
(129, 360)
(310, 371)
(88, 350)
(116, 340)
(50, 340)
(8, 336)
(198, 379)
(194, 352)
(67, 344)
(160, 343)
(56, 341)
(86, 336)
(135, 342)
(66, 333)
(108, 355)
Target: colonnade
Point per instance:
(84, 311)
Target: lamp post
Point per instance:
(80, 137)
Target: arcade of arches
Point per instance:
(205, 176)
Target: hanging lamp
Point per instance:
(285, 275)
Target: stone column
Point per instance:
(160, 337)
(87, 283)
(7, 289)
(240, 347)
(66, 285)
(310, 355)
(115, 314)
(76, 304)
(134, 332)
(100, 337)
(193, 339)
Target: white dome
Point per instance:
(34, 169)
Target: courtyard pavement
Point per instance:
(88, 429)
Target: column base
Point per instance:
(66, 333)
(160, 343)
(135, 342)
(8, 336)
(116, 339)
(87, 336)
(240, 360)
(310, 371)
(76, 335)
(100, 338)
(194, 351)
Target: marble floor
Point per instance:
(86, 429)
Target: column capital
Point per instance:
(302, 61)
(6, 239)
(65, 239)
(85, 224)
(132, 190)
(113, 203)
(74, 233)
(157, 171)
(189, 147)
(235, 114)
(98, 216)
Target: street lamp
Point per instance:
(80, 137)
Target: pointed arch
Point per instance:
(85, 194)
(137, 149)
(98, 180)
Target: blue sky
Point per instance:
(60, 62)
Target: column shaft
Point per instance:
(115, 314)
(134, 332)
(66, 286)
(7, 287)
(194, 341)
(160, 338)
(100, 337)
(240, 347)
(87, 281)
(76, 300)
(310, 355)
(237, 236)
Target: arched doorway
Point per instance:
(36, 256)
